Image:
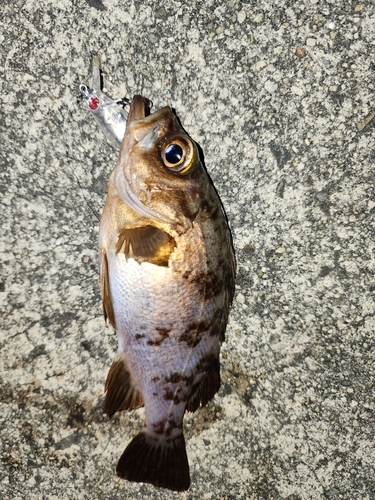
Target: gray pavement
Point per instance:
(273, 92)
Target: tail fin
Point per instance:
(156, 459)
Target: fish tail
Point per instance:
(156, 459)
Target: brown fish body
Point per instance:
(167, 276)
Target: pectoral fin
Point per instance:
(147, 243)
(122, 394)
(141, 241)
(104, 288)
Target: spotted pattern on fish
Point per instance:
(164, 334)
(176, 377)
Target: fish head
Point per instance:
(159, 174)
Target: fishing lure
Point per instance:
(109, 114)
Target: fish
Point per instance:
(167, 275)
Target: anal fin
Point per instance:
(121, 393)
(207, 388)
(156, 459)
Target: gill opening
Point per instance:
(127, 195)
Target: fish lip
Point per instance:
(139, 108)
(140, 111)
(140, 120)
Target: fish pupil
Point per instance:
(173, 154)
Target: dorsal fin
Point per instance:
(207, 388)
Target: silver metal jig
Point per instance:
(108, 113)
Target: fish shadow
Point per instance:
(203, 419)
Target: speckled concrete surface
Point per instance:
(273, 92)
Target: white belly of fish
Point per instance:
(155, 312)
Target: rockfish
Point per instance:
(167, 271)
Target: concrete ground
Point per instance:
(275, 93)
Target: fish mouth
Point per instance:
(139, 108)
(140, 120)
(140, 113)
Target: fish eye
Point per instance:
(179, 155)
(173, 153)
